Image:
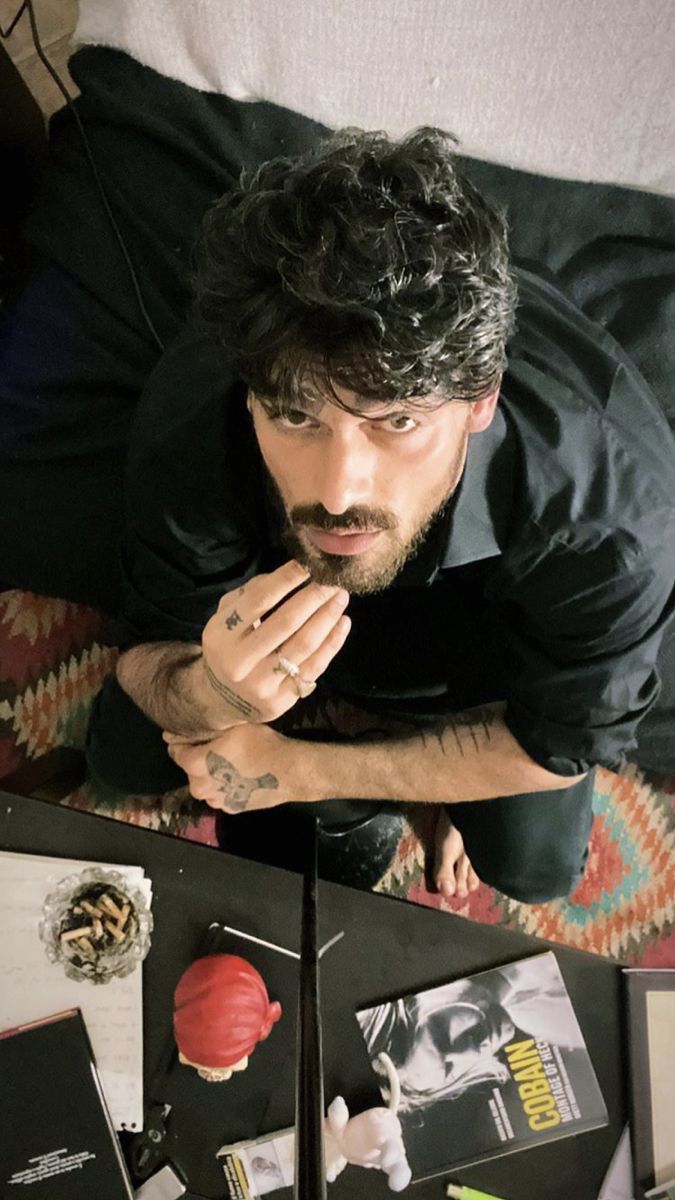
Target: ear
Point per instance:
(482, 412)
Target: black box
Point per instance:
(57, 1140)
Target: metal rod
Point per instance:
(310, 1175)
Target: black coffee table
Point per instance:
(389, 947)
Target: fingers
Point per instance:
(313, 634)
(288, 619)
(240, 648)
(264, 592)
(315, 665)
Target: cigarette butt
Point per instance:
(73, 934)
(123, 916)
(78, 909)
(117, 933)
(98, 928)
(112, 908)
(87, 947)
(91, 909)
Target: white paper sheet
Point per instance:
(31, 987)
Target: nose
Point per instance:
(346, 472)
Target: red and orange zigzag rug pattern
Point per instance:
(53, 660)
(624, 907)
(52, 663)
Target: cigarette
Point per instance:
(112, 908)
(87, 947)
(116, 932)
(91, 909)
(73, 934)
(123, 916)
(98, 928)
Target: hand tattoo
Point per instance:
(236, 702)
(233, 620)
(235, 788)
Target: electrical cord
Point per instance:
(27, 7)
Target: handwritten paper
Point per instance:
(31, 987)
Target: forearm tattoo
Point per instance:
(470, 732)
(236, 702)
(234, 787)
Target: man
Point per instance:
(502, 539)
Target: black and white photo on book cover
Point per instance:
(485, 1065)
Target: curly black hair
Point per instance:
(368, 263)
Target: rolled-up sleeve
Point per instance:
(580, 631)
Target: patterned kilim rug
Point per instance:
(53, 660)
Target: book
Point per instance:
(651, 1042)
(484, 1066)
(57, 1141)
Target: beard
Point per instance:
(375, 569)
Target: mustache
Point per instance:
(359, 518)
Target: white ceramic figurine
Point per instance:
(371, 1139)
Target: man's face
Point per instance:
(360, 490)
(452, 1041)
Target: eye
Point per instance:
(294, 418)
(399, 423)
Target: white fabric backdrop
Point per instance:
(581, 89)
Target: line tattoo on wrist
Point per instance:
(236, 702)
(235, 787)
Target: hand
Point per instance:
(241, 643)
(241, 770)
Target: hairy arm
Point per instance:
(468, 756)
(169, 683)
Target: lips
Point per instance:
(342, 543)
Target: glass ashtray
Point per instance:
(96, 925)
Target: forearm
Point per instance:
(469, 756)
(168, 683)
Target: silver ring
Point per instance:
(288, 667)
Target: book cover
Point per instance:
(485, 1065)
(57, 1141)
(651, 1041)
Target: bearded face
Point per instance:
(358, 490)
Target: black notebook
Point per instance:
(484, 1066)
(57, 1141)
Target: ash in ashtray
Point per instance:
(96, 925)
(100, 924)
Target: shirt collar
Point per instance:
(474, 523)
(481, 515)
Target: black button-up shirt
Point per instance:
(546, 582)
